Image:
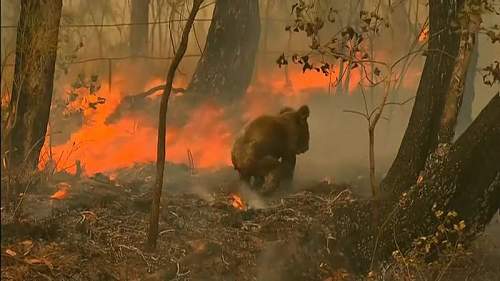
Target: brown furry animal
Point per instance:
(267, 148)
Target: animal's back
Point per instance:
(263, 137)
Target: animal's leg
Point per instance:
(272, 181)
(258, 181)
(288, 167)
(245, 177)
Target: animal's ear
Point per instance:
(286, 109)
(303, 111)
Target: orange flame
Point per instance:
(63, 191)
(208, 133)
(424, 34)
(237, 202)
(103, 147)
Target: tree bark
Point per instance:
(36, 51)
(453, 100)
(162, 127)
(463, 177)
(421, 136)
(465, 114)
(226, 66)
(139, 30)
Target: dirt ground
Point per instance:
(98, 231)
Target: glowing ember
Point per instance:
(62, 192)
(237, 202)
(424, 34)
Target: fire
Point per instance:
(298, 83)
(208, 133)
(103, 147)
(62, 192)
(237, 202)
(424, 34)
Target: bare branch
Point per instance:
(356, 112)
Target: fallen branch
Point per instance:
(154, 90)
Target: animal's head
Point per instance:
(301, 116)
(286, 109)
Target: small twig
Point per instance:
(222, 258)
(399, 250)
(178, 273)
(139, 252)
(166, 231)
(357, 112)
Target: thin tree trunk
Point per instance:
(421, 136)
(371, 138)
(162, 127)
(139, 31)
(225, 69)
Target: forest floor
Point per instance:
(98, 232)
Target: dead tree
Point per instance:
(226, 66)
(162, 127)
(139, 30)
(36, 50)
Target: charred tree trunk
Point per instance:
(465, 115)
(421, 136)
(139, 31)
(463, 177)
(36, 50)
(226, 66)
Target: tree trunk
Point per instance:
(463, 177)
(162, 127)
(371, 156)
(421, 136)
(139, 30)
(226, 66)
(453, 100)
(36, 51)
(465, 114)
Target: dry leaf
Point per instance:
(27, 243)
(10, 253)
(33, 261)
